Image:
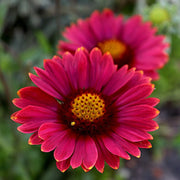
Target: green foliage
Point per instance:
(3, 11)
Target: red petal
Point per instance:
(45, 87)
(90, 154)
(127, 146)
(123, 76)
(63, 165)
(100, 160)
(52, 142)
(30, 127)
(80, 60)
(113, 147)
(142, 111)
(136, 93)
(65, 147)
(35, 114)
(57, 75)
(96, 25)
(147, 101)
(106, 69)
(77, 157)
(49, 129)
(132, 134)
(84, 168)
(35, 96)
(146, 125)
(112, 160)
(34, 139)
(143, 144)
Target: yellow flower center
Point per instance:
(114, 47)
(88, 106)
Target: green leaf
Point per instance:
(3, 11)
(43, 42)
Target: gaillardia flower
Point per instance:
(87, 111)
(131, 42)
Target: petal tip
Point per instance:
(19, 93)
(157, 127)
(141, 72)
(13, 118)
(13, 101)
(138, 156)
(134, 68)
(157, 112)
(57, 160)
(63, 170)
(30, 74)
(80, 49)
(89, 168)
(129, 158)
(67, 53)
(30, 142)
(19, 129)
(100, 170)
(86, 170)
(151, 137)
(40, 137)
(55, 57)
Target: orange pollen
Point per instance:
(88, 107)
(114, 47)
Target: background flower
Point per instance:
(131, 41)
(87, 111)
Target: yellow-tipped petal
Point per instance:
(67, 52)
(13, 117)
(141, 72)
(63, 170)
(157, 127)
(80, 49)
(29, 142)
(96, 49)
(19, 93)
(55, 56)
(57, 160)
(157, 111)
(90, 167)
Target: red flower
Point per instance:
(130, 42)
(87, 111)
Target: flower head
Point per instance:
(159, 15)
(131, 42)
(87, 111)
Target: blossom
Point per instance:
(87, 110)
(131, 41)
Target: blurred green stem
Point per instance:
(6, 90)
(140, 5)
(8, 49)
(57, 14)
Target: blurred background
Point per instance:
(29, 33)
